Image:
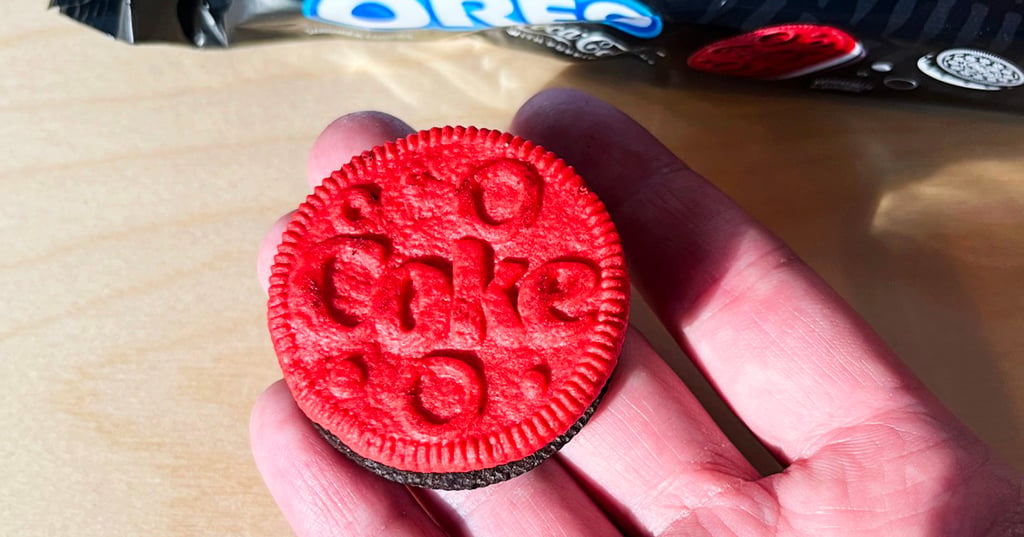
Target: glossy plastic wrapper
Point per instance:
(955, 51)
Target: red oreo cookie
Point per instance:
(778, 52)
(448, 308)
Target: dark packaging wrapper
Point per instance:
(957, 51)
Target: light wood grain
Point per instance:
(136, 183)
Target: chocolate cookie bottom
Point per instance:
(472, 479)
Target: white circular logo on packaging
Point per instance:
(980, 67)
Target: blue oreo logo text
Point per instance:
(629, 16)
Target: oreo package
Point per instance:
(957, 51)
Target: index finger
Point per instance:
(791, 358)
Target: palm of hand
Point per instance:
(868, 451)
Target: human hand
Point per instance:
(867, 449)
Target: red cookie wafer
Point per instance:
(448, 308)
(778, 52)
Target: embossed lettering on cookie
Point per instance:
(447, 309)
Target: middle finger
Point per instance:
(544, 501)
(652, 453)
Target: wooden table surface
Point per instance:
(137, 182)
